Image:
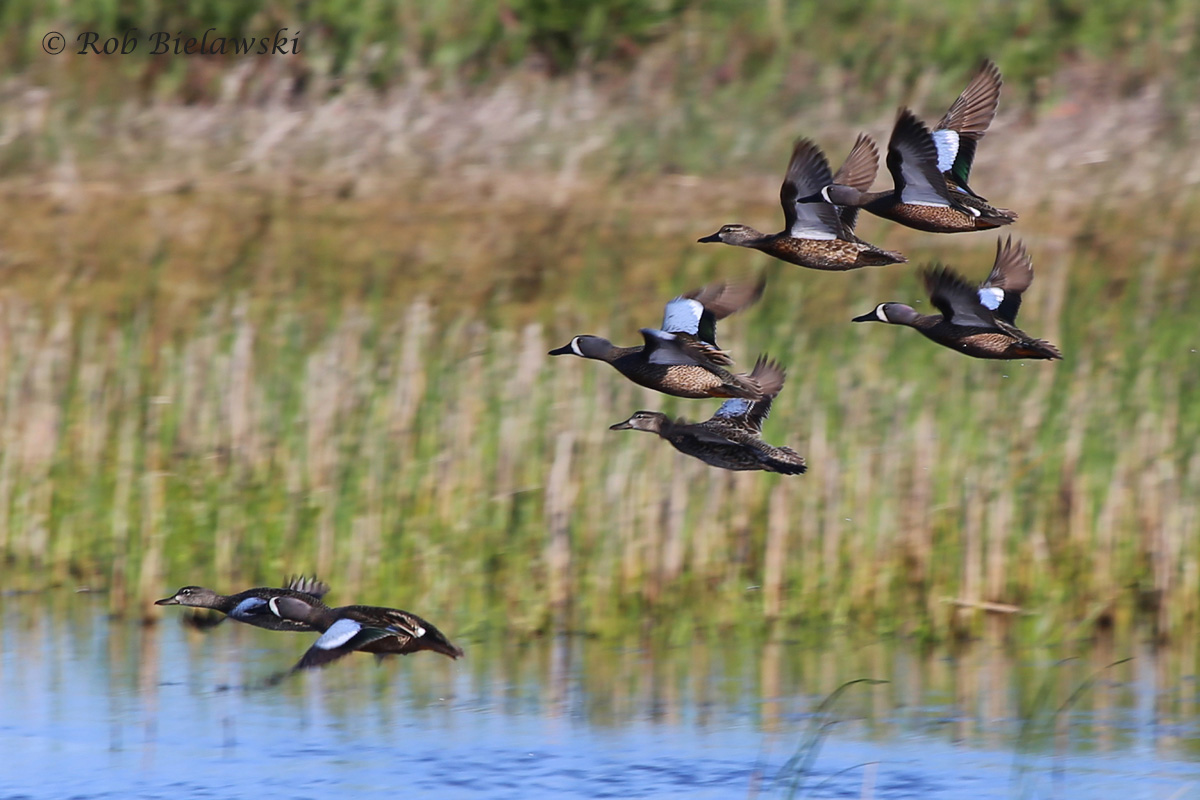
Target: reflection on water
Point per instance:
(93, 708)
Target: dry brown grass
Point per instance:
(320, 343)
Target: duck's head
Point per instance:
(584, 347)
(650, 421)
(895, 313)
(190, 596)
(734, 234)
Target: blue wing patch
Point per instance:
(991, 297)
(338, 634)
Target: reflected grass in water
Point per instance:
(797, 769)
(141, 707)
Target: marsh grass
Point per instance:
(270, 333)
(796, 770)
(698, 48)
(1044, 718)
(244, 409)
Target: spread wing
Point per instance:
(858, 171)
(808, 173)
(751, 414)
(975, 108)
(770, 376)
(957, 133)
(913, 161)
(717, 301)
(1011, 275)
(759, 411)
(723, 299)
(958, 300)
(680, 349)
(861, 165)
(341, 638)
(683, 315)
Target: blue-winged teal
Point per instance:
(249, 606)
(977, 321)
(921, 196)
(732, 437)
(367, 629)
(957, 133)
(816, 235)
(682, 357)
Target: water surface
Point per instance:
(94, 708)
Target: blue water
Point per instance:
(91, 708)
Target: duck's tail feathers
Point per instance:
(307, 585)
(1040, 348)
(786, 461)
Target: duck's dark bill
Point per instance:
(870, 316)
(167, 601)
(565, 350)
(812, 198)
(621, 426)
(716, 237)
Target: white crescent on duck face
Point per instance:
(249, 606)
(732, 438)
(816, 235)
(921, 196)
(682, 358)
(976, 320)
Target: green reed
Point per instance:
(700, 45)
(619, 88)
(284, 416)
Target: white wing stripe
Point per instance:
(947, 148)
